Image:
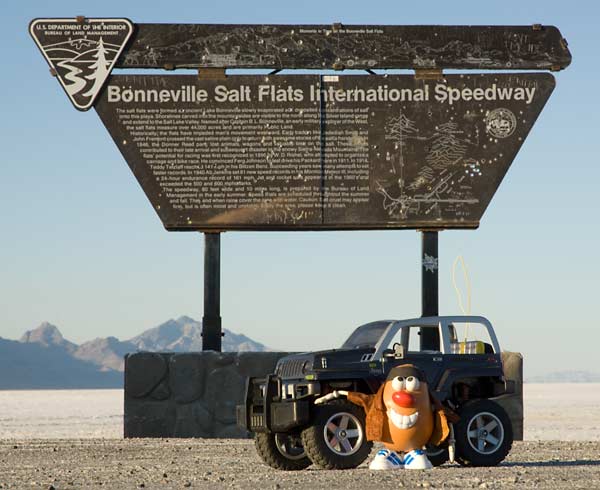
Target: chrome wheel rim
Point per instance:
(485, 433)
(343, 434)
(289, 447)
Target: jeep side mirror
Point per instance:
(398, 351)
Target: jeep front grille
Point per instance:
(256, 421)
(291, 369)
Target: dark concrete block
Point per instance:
(143, 372)
(222, 359)
(250, 365)
(161, 392)
(513, 404)
(149, 419)
(189, 394)
(230, 431)
(187, 373)
(192, 419)
(225, 389)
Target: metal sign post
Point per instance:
(211, 321)
(430, 339)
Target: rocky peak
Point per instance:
(48, 335)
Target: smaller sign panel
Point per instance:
(82, 53)
(337, 46)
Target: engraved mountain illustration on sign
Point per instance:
(81, 53)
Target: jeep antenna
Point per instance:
(466, 311)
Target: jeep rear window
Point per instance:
(365, 336)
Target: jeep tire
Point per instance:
(281, 451)
(483, 434)
(337, 438)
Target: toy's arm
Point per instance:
(330, 396)
(359, 399)
(362, 400)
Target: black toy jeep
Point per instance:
(465, 374)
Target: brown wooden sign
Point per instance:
(311, 152)
(337, 46)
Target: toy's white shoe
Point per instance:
(417, 460)
(386, 460)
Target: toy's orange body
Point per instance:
(400, 414)
(409, 423)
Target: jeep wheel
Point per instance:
(337, 439)
(438, 455)
(281, 451)
(483, 434)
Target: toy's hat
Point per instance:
(407, 370)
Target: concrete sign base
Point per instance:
(195, 394)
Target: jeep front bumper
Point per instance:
(265, 411)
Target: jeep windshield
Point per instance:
(366, 336)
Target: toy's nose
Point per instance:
(403, 399)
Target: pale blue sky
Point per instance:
(81, 247)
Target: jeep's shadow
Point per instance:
(579, 462)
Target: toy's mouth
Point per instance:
(403, 421)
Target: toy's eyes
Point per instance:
(412, 384)
(398, 383)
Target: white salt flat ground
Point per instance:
(565, 412)
(562, 411)
(61, 414)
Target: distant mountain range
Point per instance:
(566, 377)
(43, 358)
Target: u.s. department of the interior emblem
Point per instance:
(81, 52)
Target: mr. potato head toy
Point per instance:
(405, 417)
